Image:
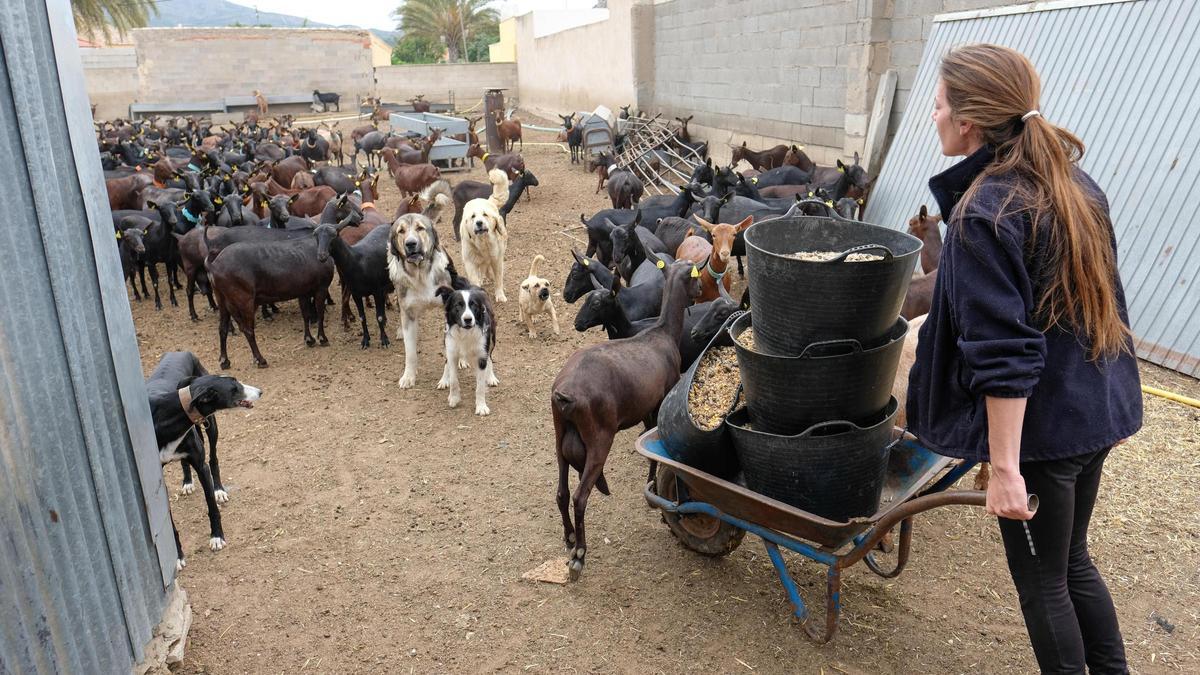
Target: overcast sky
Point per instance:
(378, 13)
(361, 13)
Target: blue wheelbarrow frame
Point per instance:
(917, 481)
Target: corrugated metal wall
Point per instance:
(1124, 77)
(85, 550)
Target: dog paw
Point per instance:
(453, 400)
(482, 409)
(216, 544)
(180, 564)
(493, 381)
(462, 364)
(408, 380)
(188, 488)
(443, 383)
(532, 334)
(500, 296)
(221, 496)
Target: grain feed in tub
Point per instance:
(714, 387)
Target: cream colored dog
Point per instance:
(535, 298)
(484, 237)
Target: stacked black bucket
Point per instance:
(817, 424)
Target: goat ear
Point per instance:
(743, 144)
(856, 158)
(746, 222)
(704, 223)
(727, 197)
(637, 219)
(292, 199)
(924, 212)
(151, 205)
(596, 283)
(708, 162)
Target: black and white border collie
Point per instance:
(183, 396)
(470, 338)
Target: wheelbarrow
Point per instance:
(711, 516)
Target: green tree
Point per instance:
(416, 49)
(452, 23)
(98, 16)
(477, 45)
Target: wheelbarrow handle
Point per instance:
(907, 510)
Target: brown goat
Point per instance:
(302, 180)
(608, 387)
(713, 255)
(796, 157)
(760, 159)
(126, 193)
(310, 202)
(419, 104)
(412, 178)
(509, 131)
(925, 227)
(283, 170)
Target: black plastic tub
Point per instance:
(799, 302)
(832, 469)
(710, 451)
(829, 380)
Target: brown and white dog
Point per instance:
(418, 266)
(535, 298)
(485, 237)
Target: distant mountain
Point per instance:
(215, 13)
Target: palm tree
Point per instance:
(449, 22)
(98, 16)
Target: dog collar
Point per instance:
(188, 215)
(185, 400)
(713, 273)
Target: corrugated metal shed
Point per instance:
(85, 538)
(1125, 77)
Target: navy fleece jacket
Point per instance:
(981, 338)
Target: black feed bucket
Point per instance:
(829, 380)
(707, 450)
(799, 302)
(833, 469)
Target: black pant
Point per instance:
(1068, 611)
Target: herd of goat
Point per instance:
(268, 211)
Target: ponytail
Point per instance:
(997, 90)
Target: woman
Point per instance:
(1026, 358)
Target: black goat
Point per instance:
(363, 269)
(325, 99)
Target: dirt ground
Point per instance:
(372, 529)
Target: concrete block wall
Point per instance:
(467, 81)
(579, 68)
(785, 71)
(111, 77)
(204, 64)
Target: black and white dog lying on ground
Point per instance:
(470, 338)
(183, 396)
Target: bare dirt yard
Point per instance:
(373, 529)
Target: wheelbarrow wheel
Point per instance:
(703, 534)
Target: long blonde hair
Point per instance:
(993, 87)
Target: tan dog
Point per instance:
(484, 236)
(535, 298)
(262, 103)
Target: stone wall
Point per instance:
(206, 64)
(467, 81)
(111, 77)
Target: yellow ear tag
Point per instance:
(695, 272)
(662, 264)
(828, 203)
(265, 204)
(585, 262)
(810, 194)
(754, 180)
(356, 183)
(800, 147)
(118, 235)
(860, 202)
(218, 201)
(841, 169)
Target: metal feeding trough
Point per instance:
(447, 149)
(597, 133)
